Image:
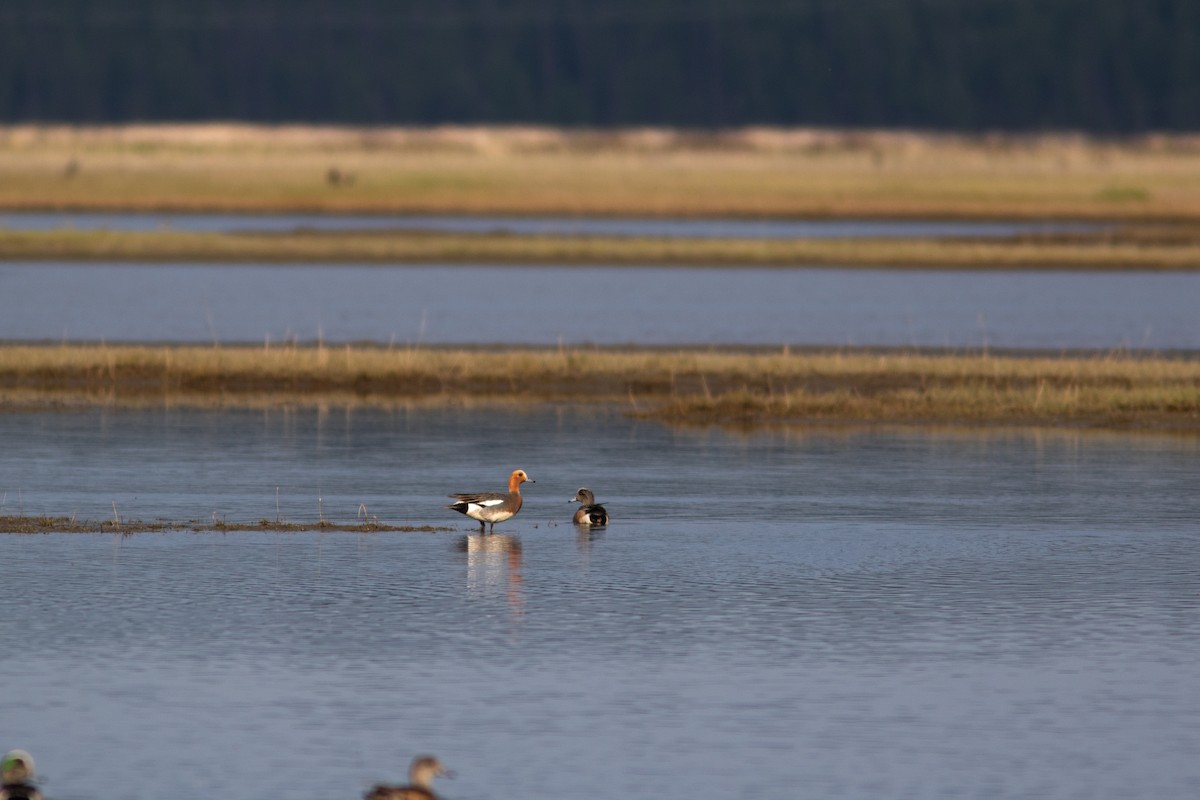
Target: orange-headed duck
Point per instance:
(590, 513)
(492, 507)
(420, 782)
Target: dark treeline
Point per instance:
(1107, 66)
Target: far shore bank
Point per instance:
(644, 172)
(1145, 189)
(736, 386)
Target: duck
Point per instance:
(18, 777)
(420, 782)
(492, 507)
(590, 513)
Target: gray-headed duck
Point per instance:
(492, 507)
(590, 513)
(18, 778)
(420, 782)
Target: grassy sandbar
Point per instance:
(743, 387)
(1177, 248)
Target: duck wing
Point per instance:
(484, 499)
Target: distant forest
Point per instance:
(1106, 66)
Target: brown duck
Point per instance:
(492, 507)
(420, 782)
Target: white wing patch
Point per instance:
(486, 503)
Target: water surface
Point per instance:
(614, 305)
(789, 614)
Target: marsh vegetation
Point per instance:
(733, 386)
(1166, 248)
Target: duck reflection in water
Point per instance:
(494, 565)
(584, 536)
(420, 782)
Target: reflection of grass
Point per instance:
(1107, 405)
(743, 387)
(744, 173)
(1172, 248)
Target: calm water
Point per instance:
(691, 228)
(546, 305)
(824, 615)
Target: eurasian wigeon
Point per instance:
(420, 782)
(590, 513)
(18, 777)
(492, 507)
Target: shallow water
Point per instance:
(578, 305)
(787, 614)
(687, 228)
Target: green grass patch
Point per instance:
(1122, 194)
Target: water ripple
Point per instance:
(880, 614)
